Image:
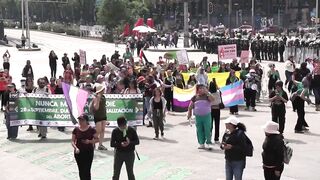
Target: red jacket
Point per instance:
(3, 82)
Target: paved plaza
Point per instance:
(174, 158)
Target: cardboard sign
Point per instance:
(182, 56)
(83, 58)
(244, 58)
(227, 51)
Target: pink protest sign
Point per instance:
(227, 51)
(244, 58)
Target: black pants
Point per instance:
(299, 103)
(281, 56)
(215, 116)
(269, 174)
(275, 56)
(23, 43)
(169, 98)
(2, 98)
(53, 68)
(279, 115)
(157, 118)
(6, 65)
(234, 109)
(84, 162)
(12, 130)
(250, 96)
(288, 77)
(128, 159)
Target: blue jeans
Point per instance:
(234, 168)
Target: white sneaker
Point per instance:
(201, 146)
(217, 142)
(209, 146)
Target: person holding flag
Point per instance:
(98, 107)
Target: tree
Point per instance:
(112, 13)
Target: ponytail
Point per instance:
(241, 127)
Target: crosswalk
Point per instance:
(56, 155)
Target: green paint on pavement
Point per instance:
(152, 171)
(108, 174)
(179, 174)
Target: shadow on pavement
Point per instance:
(171, 141)
(165, 140)
(311, 134)
(184, 124)
(108, 152)
(294, 141)
(26, 141)
(214, 150)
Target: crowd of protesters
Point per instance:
(122, 75)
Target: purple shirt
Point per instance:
(202, 105)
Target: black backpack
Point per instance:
(249, 145)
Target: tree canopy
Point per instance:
(113, 13)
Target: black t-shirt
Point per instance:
(117, 138)
(277, 101)
(83, 135)
(157, 105)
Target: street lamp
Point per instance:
(210, 11)
(22, 16)
(28, 25)
(317, 11)
(186, 24)
(252, 15)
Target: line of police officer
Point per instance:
(210, 44)
(261, 48)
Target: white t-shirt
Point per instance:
(310, 66)
(6, 59)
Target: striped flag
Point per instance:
(76, 99)
(182, 98)
(232, 94)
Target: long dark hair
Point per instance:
(241, 127)
(213, 86)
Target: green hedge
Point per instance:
(72, 30)
(45, 26)
(9, 24)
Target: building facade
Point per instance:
(284, 13)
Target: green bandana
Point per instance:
(124, 131)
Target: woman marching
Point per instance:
(201, 106)
(230, 80)
(215, 109)
(84, 138)
(100, 114)
(53, 63)
(274, 76)
(298, 98)
(234, 145)
(278, 98)
(158, 112)
(272, 155)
